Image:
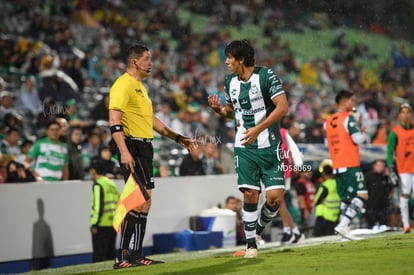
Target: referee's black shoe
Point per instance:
(122, 261)
(147, 261)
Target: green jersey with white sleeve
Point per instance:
(252, 103)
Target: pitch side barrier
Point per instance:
(52, 219)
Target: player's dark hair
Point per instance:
(343, 94)
(135, 51)
(241, 49)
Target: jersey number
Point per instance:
(359, 176)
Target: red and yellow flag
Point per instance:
(133, 195)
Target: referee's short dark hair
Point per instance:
(136, 51)
(343, 94)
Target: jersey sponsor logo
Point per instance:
(257, 98)
(253, 111)
(233, 92)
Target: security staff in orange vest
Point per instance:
(343, 138)
(401, 150)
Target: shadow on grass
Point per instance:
(232, 265)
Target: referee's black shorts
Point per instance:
(143, 153)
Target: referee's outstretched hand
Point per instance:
(189, 143)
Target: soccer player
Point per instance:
(256, 100)
(401, 146)
(343, 138)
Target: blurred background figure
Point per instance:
(236, 205)
(105, 196)
(76, 168)
(327, 202)
(211, 160)
(305, 191)
(192, 164)
(379, 187)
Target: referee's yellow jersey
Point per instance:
(131, 97)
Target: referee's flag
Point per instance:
(133, 195)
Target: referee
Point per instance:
(132, 123)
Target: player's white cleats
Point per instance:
(259, 240)
(344, 232)
(251, 253)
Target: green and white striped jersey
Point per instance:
(252, 103)
(49, 158)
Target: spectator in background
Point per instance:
(76, 168)
(379, 189)
(10, 145)
(101, 111)
(105, 196)
(211, 160)
(91, 147)
(49, 156)
(236, 204)
(164, 113)
(192, 164)
(305, 191)
(24, 150)
(327, 202)
(380, 136)
(16, 173)
(72, 114)
(49, 112)
(108, 164)
(6, 104)
(64, 129)
(28, 99)
(182, 122)
(4, 161)
(400, 150)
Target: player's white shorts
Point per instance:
(407, 183)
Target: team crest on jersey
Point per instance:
(272, 136)
(254, 89)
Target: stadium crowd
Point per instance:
(58, 60)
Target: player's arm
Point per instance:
(166, 131)
(358, 136)
(391, 144)
(321, 194)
